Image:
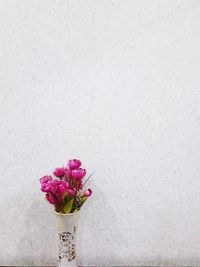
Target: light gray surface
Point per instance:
(116, 84)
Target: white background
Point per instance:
(115, 84)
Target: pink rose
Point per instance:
(58, 186)
(87, 193)
(79, 173)
(71, 192)
(46, 187)
(74, 164)
(59, 172)
(45, 179)
(50, 199)
(62, 186)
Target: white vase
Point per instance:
(66, 228)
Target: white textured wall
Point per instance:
(116, 84)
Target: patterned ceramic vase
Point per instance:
(66, 228)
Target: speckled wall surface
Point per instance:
(116, 84)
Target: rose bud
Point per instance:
(45, 179)
(71, 192)
(74, 164)
(87, 193)
(59, 172)
(79, 173)
(50, 199)
(46, 187)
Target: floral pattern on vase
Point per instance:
(66, 247)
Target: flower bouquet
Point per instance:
(65, 190)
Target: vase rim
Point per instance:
(66, 214)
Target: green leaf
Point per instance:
(76, 210)
(65, 194)
(83, 200)
(66, 198)
(67, 208)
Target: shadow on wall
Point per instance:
(37, 244)
(97, 229)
